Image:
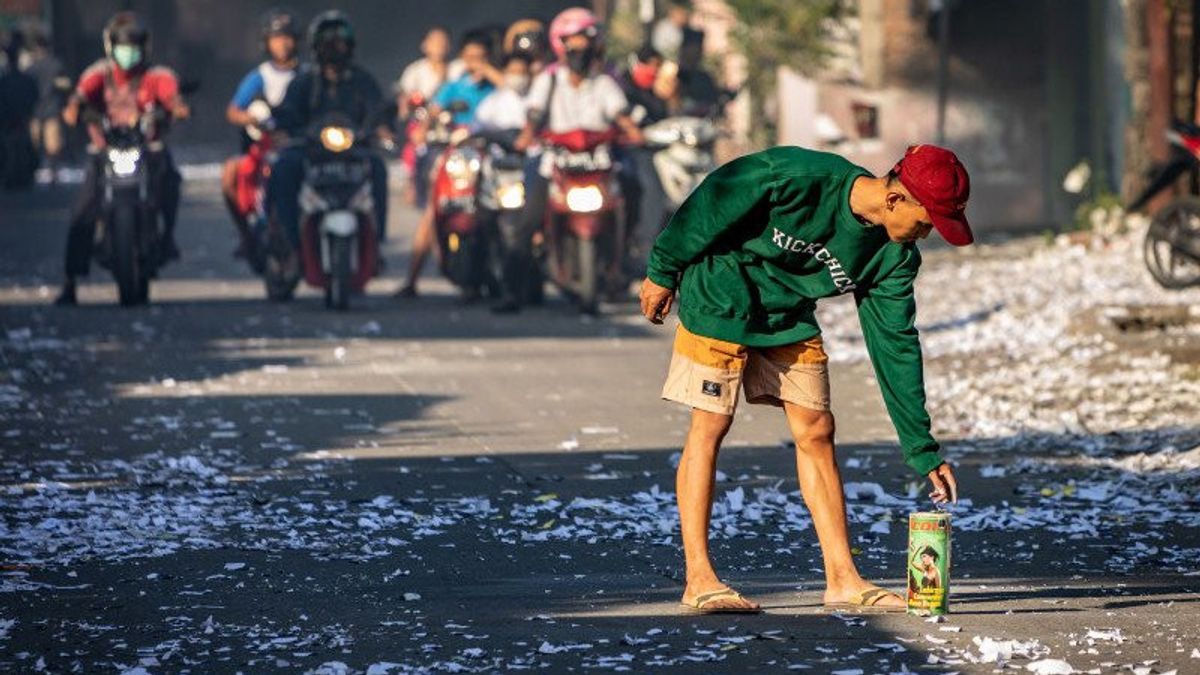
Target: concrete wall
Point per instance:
(1023, 103)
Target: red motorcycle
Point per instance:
(1172, 246)
(462, 240)
(585, 223)
(252, 171)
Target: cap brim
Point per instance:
(954, 229)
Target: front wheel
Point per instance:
(589, 275)
(337, 292)
(132, 283)
(1172, 246)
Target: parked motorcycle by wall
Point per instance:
(585, 223)
(339, 248)
(1172, 246)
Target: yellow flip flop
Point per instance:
(868, 600)
(699, 604)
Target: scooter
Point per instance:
(1172, 246)
(463, 242)
(585, 224)
(683, 155)
(339, 248)
(502, 202)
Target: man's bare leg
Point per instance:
(694, 492)
(422, 243)
(821, 485)
(229, 191)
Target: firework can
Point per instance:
(928, 563)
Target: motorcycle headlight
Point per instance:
(462, 168)
(337, 139)
(124, 162)
(585, 199)
(511, 196)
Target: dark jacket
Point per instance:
(310, 96)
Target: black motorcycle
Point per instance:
(339, 246)
(1172, 246)
(130, 233)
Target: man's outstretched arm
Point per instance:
(887, 313)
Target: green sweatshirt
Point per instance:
(766, 235)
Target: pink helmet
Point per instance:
(570, 22)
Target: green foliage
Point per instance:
(774, 33)
(1102, 213)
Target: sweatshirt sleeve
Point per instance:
(721, 203)
(887, 312)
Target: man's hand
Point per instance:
(656, 301)
(70, 113)
(524, 140)
(945, 488)
(180, 110)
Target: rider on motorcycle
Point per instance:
(477, 82)
(572, 94)
(526, 38)
(268, 82)
(121, 87)
(334, 84)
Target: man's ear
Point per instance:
(892, 198)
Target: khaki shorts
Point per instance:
(706, 373)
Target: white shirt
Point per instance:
(502, 109)
(275, 81)
(593, 105)
(420, 77)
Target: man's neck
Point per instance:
(867, 197)
(290, 64)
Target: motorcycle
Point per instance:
(462, 240)
(129, 236)
(502, 201)
(683, 155)
(585, 223)
(1172, 246)
(252, 180)
(339, 248)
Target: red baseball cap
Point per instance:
(940, 183)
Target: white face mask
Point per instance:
(518, 83)
(127, 56)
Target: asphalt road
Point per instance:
(218, 484)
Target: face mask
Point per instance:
(518, 83)
(335, 53)
(127, 56)
(580, 60)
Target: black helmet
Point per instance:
(328, 26)
(126, 28)
(279, 22)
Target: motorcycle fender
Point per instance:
(339, 223)
(586, 226)
(311, 253)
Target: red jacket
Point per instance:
(122, 96)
